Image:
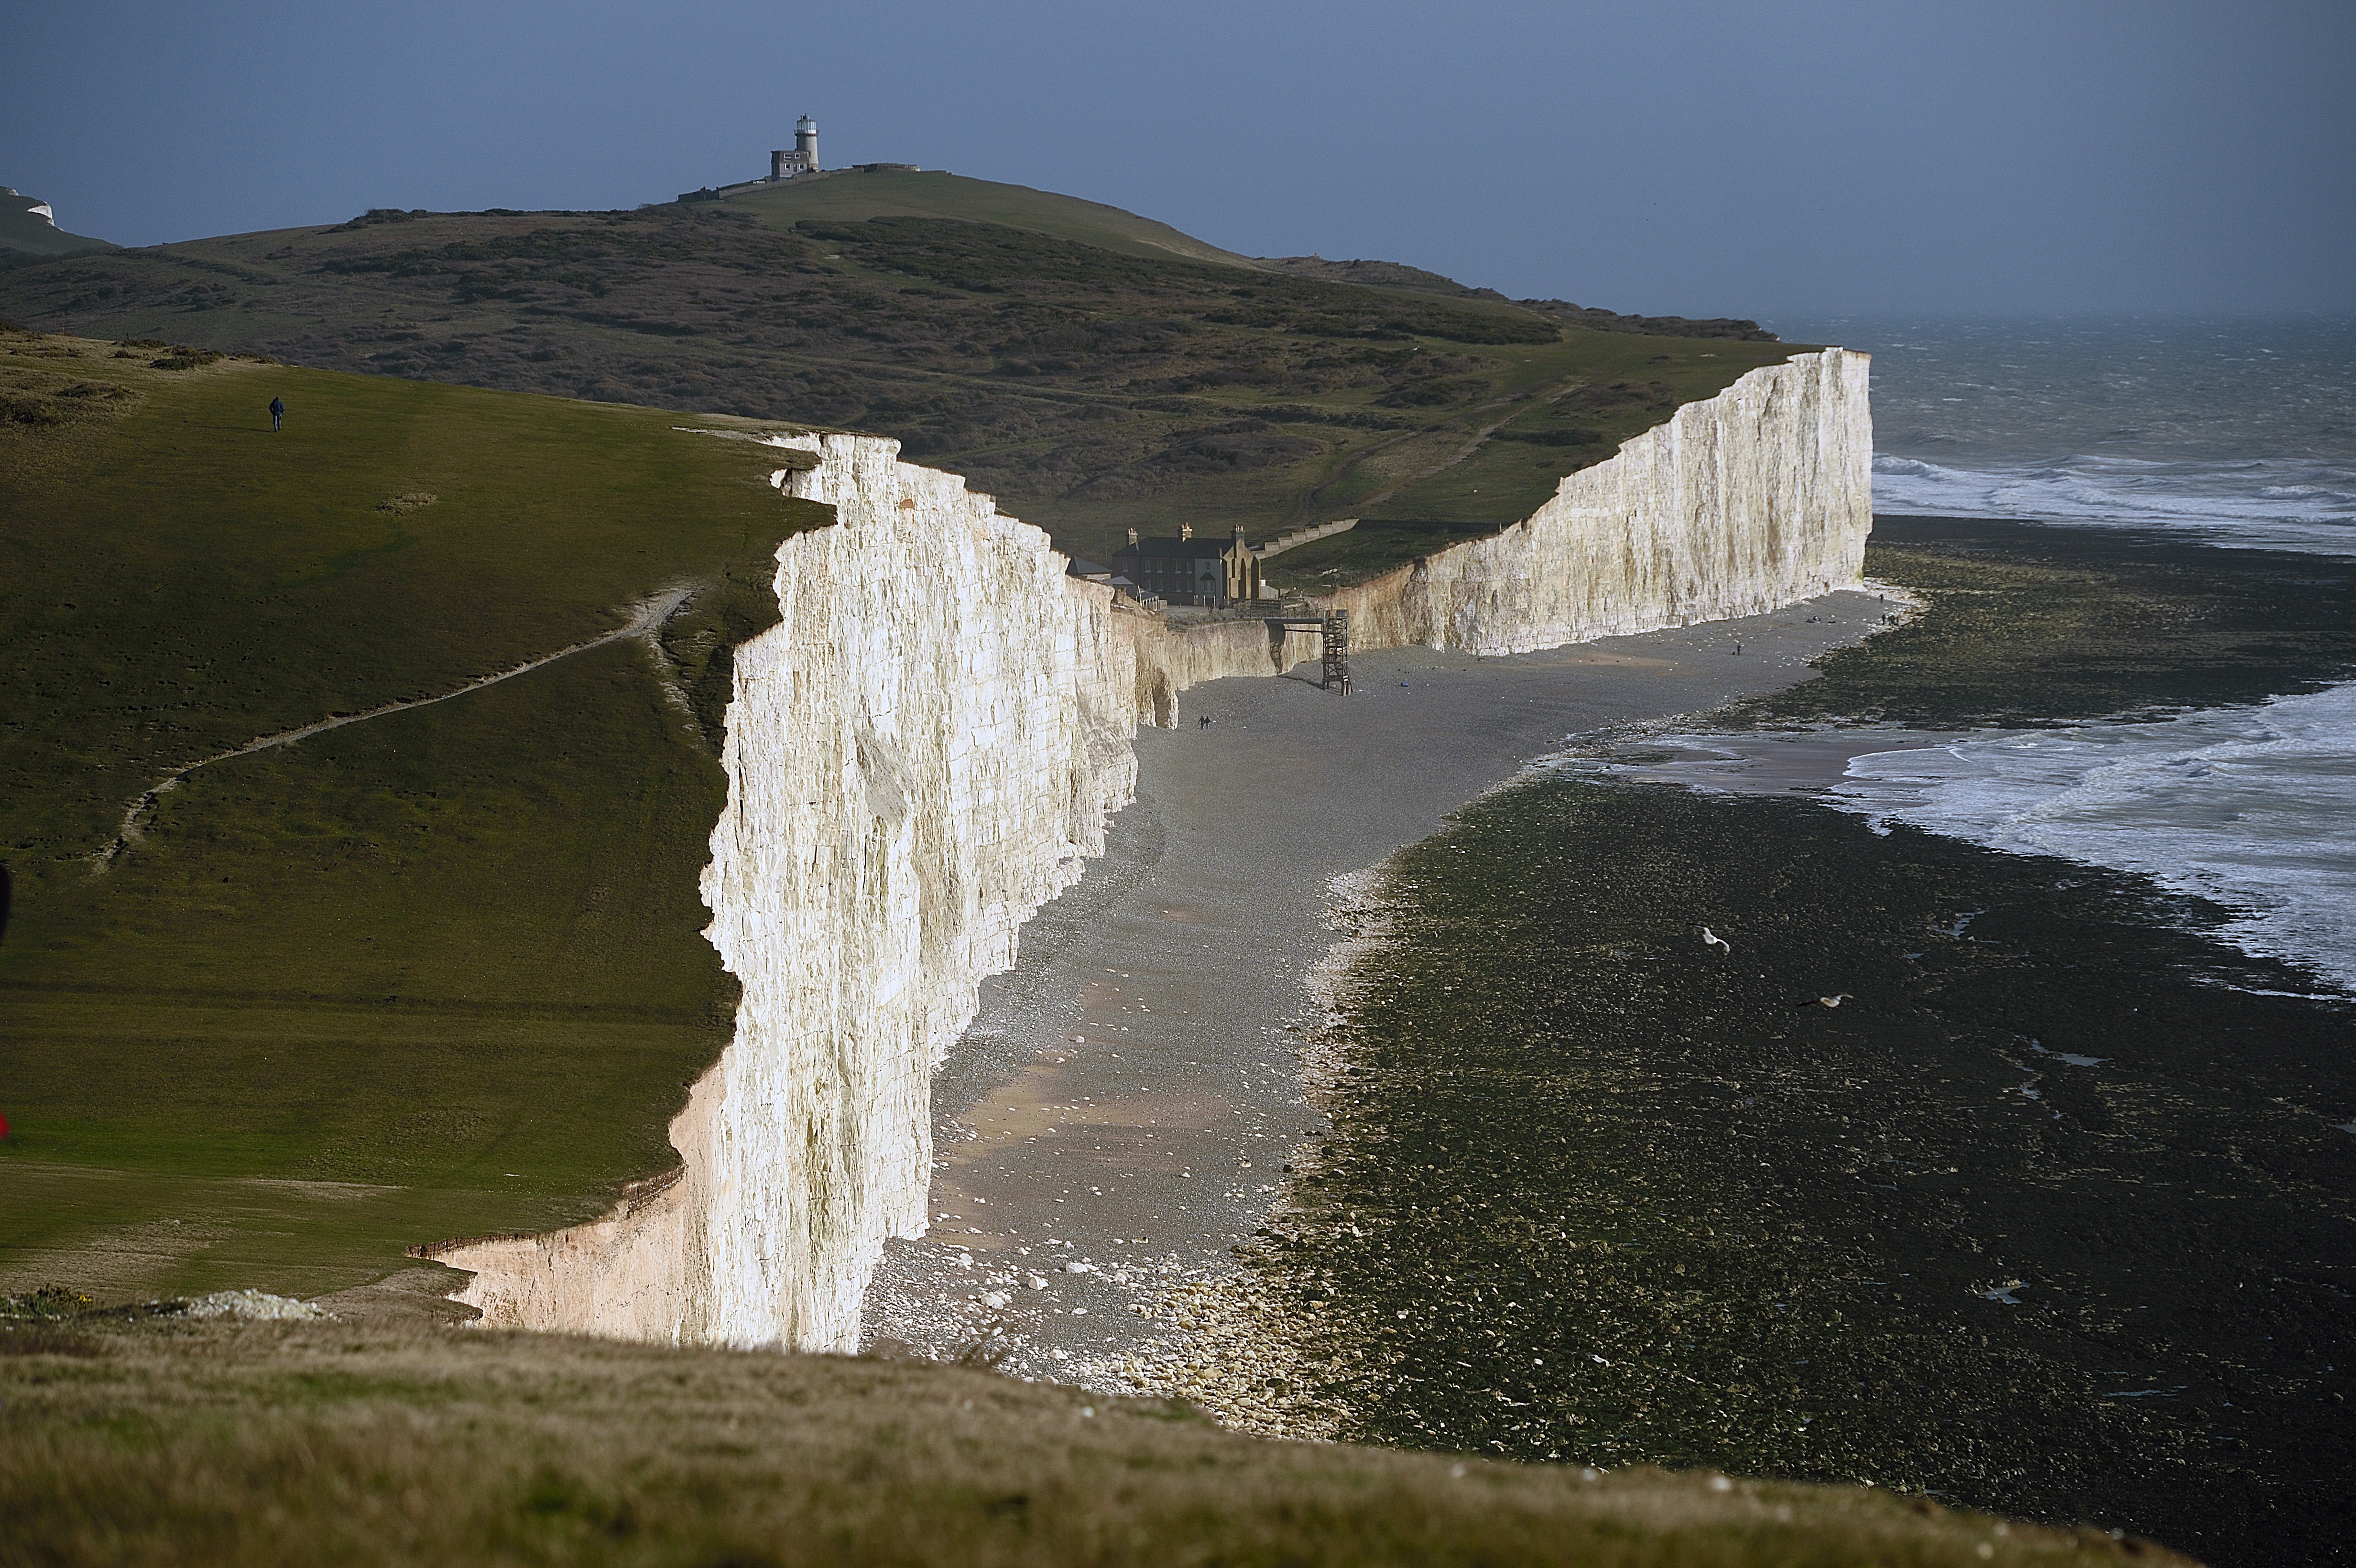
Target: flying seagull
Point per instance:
(1712, 939)
(1833, 1001)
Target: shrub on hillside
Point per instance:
(41, 406)
(28, 408)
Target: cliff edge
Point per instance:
(30, 232)
(928, 747)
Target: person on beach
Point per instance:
(277, 412)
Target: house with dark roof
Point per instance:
(1089, 572)
(1188, 571)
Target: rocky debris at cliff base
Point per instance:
(1235, 1352)
(1015, 1313)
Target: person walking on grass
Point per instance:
(277, 412)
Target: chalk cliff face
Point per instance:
(1759, 496)
(928, 747)
(923, 751)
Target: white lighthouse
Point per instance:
(803, 159)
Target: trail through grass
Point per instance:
(360, 985)
(646, 618)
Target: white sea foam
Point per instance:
(2271, 504)
(2248, 806)
(2238, 430)
(2251, 807)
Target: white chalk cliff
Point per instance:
(1754, 498)
(928, 745)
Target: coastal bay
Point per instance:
(2042, 1217)
(1121, 1112)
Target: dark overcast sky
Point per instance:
(1703, 157)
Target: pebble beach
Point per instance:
(1122, 1115)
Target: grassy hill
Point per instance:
(1082, 364)
(855, 197)
(437, 971)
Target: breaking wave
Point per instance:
(2247, 806)
(2257, 504)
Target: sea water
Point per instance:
(2230, 433)
(1957, 1166)
(2252, 807)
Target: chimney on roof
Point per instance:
(1185, 530)
(1239, 533)
(1132, 538)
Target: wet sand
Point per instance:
(1119, 1117)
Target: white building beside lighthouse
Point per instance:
(799, 164)
(803, 159)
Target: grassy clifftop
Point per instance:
(342, 1443)
(436, 971)
(1090, 368)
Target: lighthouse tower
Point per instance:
(803, 159)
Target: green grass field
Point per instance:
(434, 971)
(405, 978)
(168, 1442)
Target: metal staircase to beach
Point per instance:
(1334, 629)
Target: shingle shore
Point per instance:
(1120, 1116)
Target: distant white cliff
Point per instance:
(1754, 498)
(928, 747)
(29, 225)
